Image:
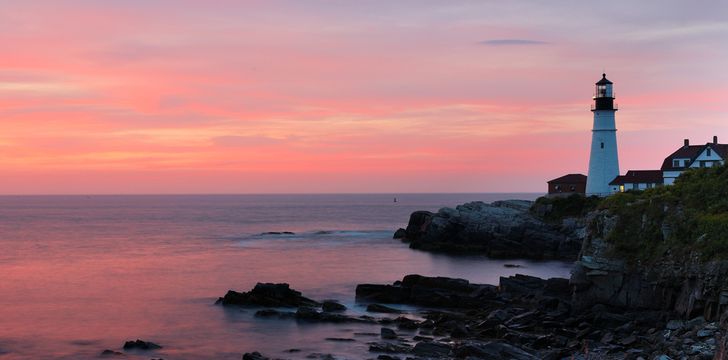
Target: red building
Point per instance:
(568, 185)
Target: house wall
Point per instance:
(640, 186)
(708, 160)
(670, 176)
(565, 188)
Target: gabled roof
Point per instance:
(570, 179)
(639, 177)
(691, 152)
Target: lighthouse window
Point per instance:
(602, 145)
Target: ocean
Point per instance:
(81, 274)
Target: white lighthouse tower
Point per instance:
(603, 161)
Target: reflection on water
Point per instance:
(80, 275)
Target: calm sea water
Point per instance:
(80, 274)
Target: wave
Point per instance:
(337, 236)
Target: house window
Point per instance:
(707, 152)
(557, 188)
(602, 145)
(649, 186)
(635, 186)
(687, 163)
(621, 188)
(676, 163)
(572, 188)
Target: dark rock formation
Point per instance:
(680, 283)
(254, 356)
(106, 353)
(387, 333)
(140, 345)
(428, 291)
(503, 229)
(332, 306)
(379, 308)
(271, 295)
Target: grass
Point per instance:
(690, 216)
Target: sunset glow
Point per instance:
(344, 96)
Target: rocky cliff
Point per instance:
(678, 281)
(503, 229)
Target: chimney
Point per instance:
(687, 142)
(715, 140)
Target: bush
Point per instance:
(555, 209)
(689, 216)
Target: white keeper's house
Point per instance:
(603, 178)
(693, 156)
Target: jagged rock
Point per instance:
(494, 350)
(312, 315)
(331, 306)
(431, 349)
(428, 291)
(140, 345)
(379, 308)
(387, 333)
(504, 229)
(254, 356)
(267, 294)
(385, 347)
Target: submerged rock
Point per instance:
(267, 294)
(105, 353)
(141, 345)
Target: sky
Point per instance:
(137, 96)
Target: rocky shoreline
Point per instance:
(614, 306)
(523, 318)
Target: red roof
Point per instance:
(570, 179)
(639, 177)
(691, 152)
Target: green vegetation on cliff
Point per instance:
(555, 209)
(690, 216)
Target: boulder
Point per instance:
(332, 306)
(254, 356)
(494, 350)
(387, 333)
(429, 291)
(269, 295)
(431, 349)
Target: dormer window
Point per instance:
(707, 152)
(676, 163)
(687, 163)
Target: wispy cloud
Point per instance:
(505, 42)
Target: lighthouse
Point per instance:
(603, 159)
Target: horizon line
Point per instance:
(292, 193)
